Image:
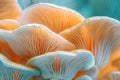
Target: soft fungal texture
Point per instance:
(55, 17)
(100, 35)
(6, 50)
(12, 71)
(9, 9)
(85, 77)
(93, 72)
(116, 62)
(115, 59)
(39, 77)
(8, 24)
(112, 65)
(62, 65)
(32, 40)
(115, 75)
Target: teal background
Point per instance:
(87, 8)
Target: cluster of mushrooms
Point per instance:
(50, 42)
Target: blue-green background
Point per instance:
(87, 8)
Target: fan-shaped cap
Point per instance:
(100, 35)
(12, 71)
(55, 17)
(32, 40)
(62, 65)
